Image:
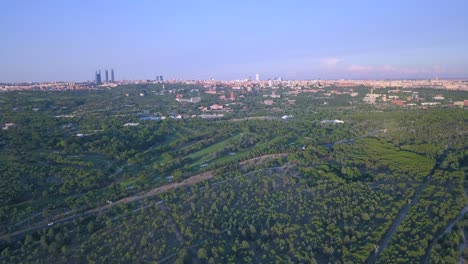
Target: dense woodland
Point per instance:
(387, 186)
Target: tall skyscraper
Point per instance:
(98, 77)
(107, 76)
(112, 76)
(159, 79)
(257, 77)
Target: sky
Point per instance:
(56, 40)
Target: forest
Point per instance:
(79, 184)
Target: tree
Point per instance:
(28, 239)
(328, 250)
(201, 253)
(90, 227)
(245, 245)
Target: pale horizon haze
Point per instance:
(55, 40)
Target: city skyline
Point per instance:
(301, 40)
(98, 77)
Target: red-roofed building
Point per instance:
(399, 102)
(216, 107)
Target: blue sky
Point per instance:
(68, 40)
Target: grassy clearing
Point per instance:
(213, 148)
(226, 157)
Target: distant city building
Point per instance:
(131, 124)
(195, 99)
(191, 100)
(216, 107)
(257, 77)
(399, 102)
(274, 95)
(107, 76)
(112, 76)
(461, 103)
(159, 78)
(430, 103)
(98, 78)
(334, 121)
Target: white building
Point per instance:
(334, 121)
(430, 103)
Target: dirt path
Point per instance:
(155, 191)
(403, 212)
(70, 215)
(261, 159)
(447, 230)
(397, 222)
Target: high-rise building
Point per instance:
(257, 77)
(107, 76)
(159, 78)
(112, 76)
(98, 78)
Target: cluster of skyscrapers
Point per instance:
(98, 78)
(159, 78)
